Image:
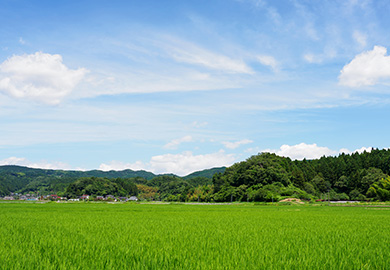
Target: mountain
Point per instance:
(22, 179)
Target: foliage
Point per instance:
(380, 190)
(101, 187)
(339, 178)
(147, 193)
(262, 177)
(28, 180)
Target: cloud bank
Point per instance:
(311, 151)
(180, 164)
(38, 165)
(41, 77)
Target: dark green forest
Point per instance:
(19, 179)
(263, 177)
(23, 180)
(267, 177)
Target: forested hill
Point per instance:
(265, 177)
(23, 179)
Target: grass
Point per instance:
(238, 236)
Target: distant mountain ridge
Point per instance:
(20, 178)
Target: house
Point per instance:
(23, 198)
(84, 197)
(54, 197)
(133, 198)
(110, 197)
(9, 198)
(74, 200)
(123, 199)
(99, 198)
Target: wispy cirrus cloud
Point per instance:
(234, 145)
(176, 142)
(360, 38)
(269, 61)
(187, 52)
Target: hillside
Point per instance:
(23, 179)
(263, 177)
(267, 177)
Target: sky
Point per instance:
(184, 85)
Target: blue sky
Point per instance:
(180, 86)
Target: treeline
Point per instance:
(267, 177)
(101, 187)
(263, 177)
(23, 180)
(160, 188)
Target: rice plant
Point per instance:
(144, 236)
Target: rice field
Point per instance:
(149, 236)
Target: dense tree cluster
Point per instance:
(267, 176)
(101, 187)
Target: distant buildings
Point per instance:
(55, 197)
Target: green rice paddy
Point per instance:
(150, 236)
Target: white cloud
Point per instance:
(234, 145)
(311, 151)
(120, 166)
(40, 165)
(268, 61)
(302, 150)
(361, 150)
(175, 143)
(367, 68)
(180, 164)
(40, 76)
(22, 41)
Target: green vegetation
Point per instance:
(27, 180)
(101, 187)
(141, 236)
(264, 177)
